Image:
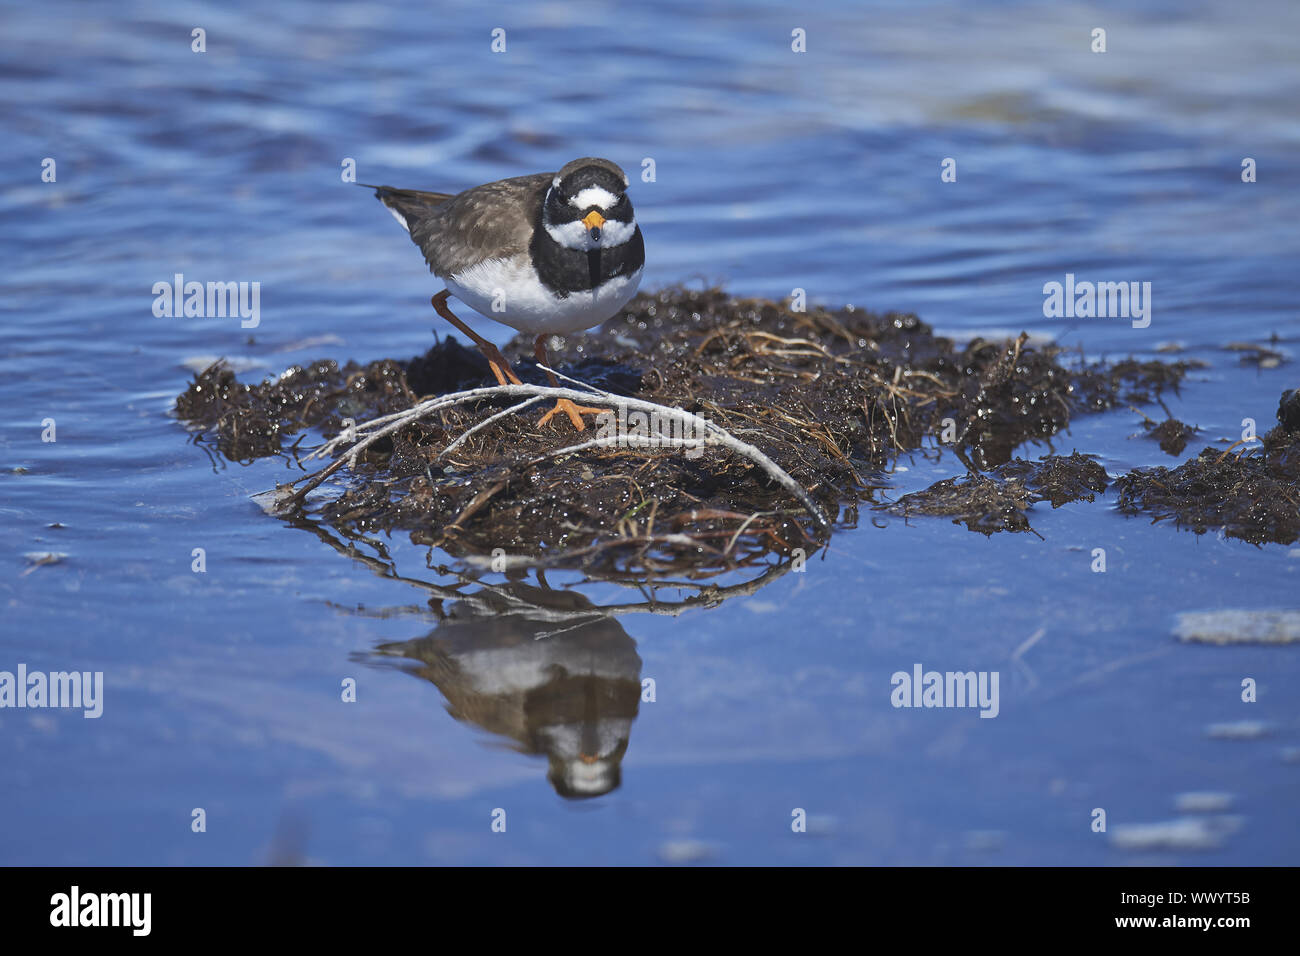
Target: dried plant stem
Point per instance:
(357, 438)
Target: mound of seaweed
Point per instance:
(830, 396)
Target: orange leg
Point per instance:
(500, 367)
(575, 412)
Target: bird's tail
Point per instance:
(407, 205)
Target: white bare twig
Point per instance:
(590, 388)
(365, 434)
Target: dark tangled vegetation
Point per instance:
(833, 397)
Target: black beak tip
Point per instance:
(595, 234)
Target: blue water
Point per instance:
(773, 170)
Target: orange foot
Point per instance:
(575, 413)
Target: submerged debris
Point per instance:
(999, 500)
(832, 398)
(1172, 435)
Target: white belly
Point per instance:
(510, 293)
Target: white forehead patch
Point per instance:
(594, 196)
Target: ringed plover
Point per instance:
(545, 254)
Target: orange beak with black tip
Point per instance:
(593, 221)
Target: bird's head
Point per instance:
(587, 207)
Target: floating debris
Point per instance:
(686, 851)
(1239, 626)
(40, 559)
(1183, 833)
(1202, 802)
(1238, 730)
(1258, 355)
(199, 363)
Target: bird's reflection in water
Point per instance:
(542, 668)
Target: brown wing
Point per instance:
(486, 222)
